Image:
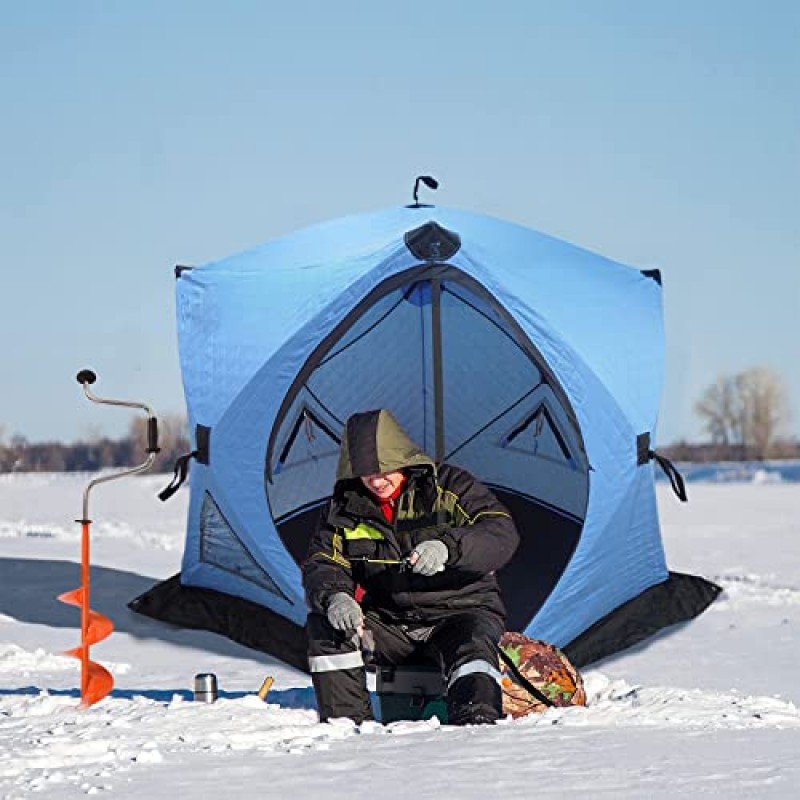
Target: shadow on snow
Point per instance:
(30, 588)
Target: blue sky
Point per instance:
(138, 135)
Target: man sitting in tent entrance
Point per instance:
(424, 542)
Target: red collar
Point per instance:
(386, 505)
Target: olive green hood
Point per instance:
(373, 442)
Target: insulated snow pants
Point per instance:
(464, 645)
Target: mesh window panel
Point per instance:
(538, 435)
(533, 465)
(222, 548)
(305, 456)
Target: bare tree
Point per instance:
(718, 409)
(745, 412)
(765, 409)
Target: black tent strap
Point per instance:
(523, 681)
(181, 471)
(671, 471)
(202, 453)
(644, 455)
(202, 436)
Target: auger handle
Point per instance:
(86, 377)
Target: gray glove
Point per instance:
(430, 557)
(344, 613)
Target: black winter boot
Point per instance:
(475, 699)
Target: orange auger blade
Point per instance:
(96, 680)
(73, 598)
(99, 684)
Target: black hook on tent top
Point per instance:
(430, 182)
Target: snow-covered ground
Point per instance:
(708, 708)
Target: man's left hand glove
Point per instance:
(429, 557)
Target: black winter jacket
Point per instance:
(355, 545)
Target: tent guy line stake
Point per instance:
(96, 680)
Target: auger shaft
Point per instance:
(96, 680)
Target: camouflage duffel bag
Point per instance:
(536, 676)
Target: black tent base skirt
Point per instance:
(238, 619)
(678, 599)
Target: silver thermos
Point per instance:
(205, 687)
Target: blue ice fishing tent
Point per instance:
(531, 362)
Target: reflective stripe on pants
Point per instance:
(471, 667)
(336, 662)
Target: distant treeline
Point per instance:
(707, 452)
(20, 455)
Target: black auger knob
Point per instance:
(86, 376)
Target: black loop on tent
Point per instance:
(644, 454)
(675, 478)
(523, 681)
(202, 435)
(179, 476)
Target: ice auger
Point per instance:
(96, 680)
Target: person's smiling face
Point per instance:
(383, 484)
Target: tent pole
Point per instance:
(438, 383)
